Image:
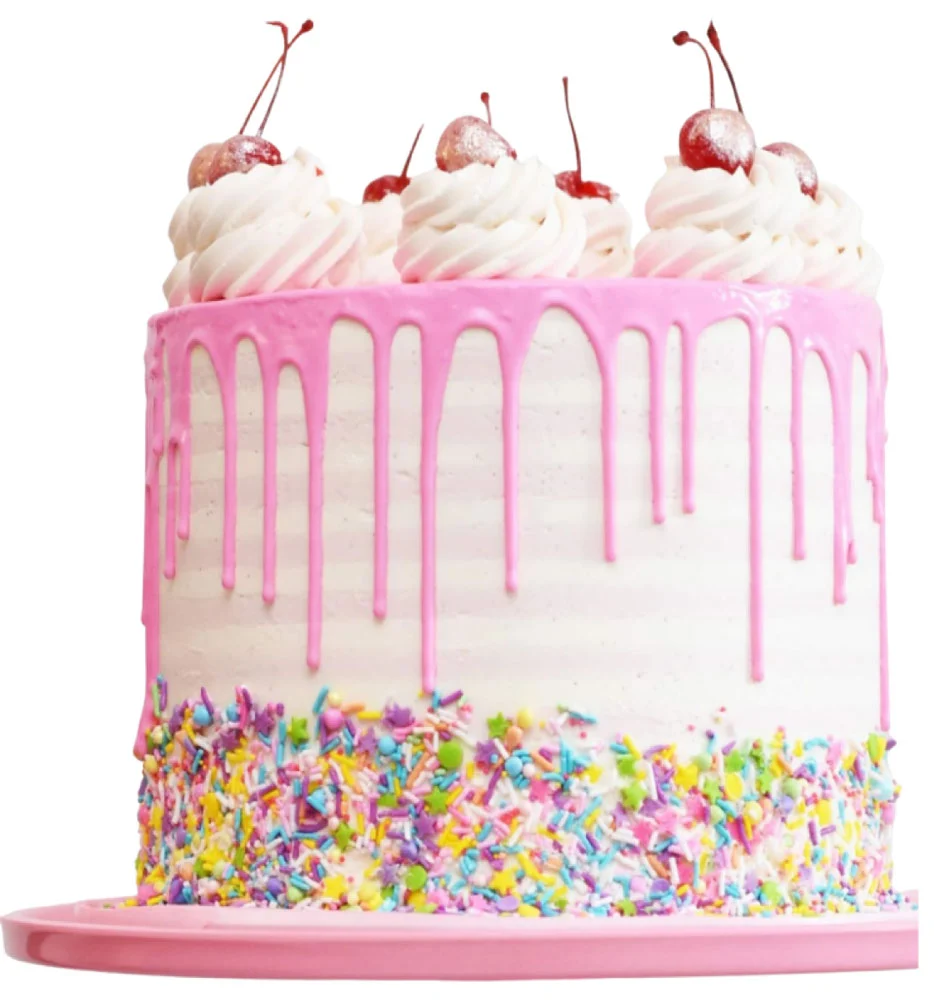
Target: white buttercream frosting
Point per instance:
(503, 221)
(688, 252)
(769, 198)
(835, 255)
(382, 221)
(761, 228)
(272, 229)
(717, 225)
(608, 251)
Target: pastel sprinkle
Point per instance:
(450, 755)
(397, 808)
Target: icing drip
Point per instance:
(295, 329)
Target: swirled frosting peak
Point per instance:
(729, 226)
(608, 251)
(508, 220)
(382, 221)
(272, 229)
(835, 254)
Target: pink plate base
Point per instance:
(308, 944)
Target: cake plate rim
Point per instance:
(253, 943)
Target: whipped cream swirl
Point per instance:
(687, 252)
(717, 225)
(834, 253)
(503, 221)
(382, 221)
(272, 229)
(769, 198)
(608, 251)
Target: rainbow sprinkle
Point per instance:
(398, 810)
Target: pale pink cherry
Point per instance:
(241, 152)
(201, 165)
(715, 137)
(471, 140)
(805, 170)
(392, 183)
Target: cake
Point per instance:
(480, 576)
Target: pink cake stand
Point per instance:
(307, 944)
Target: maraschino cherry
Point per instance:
(571, 181)
(804, 166)
(805, 170)
(391, 183)
(242, 152)
(715, 137)
(200, 165)
(471, 140)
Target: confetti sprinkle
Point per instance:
(396, 808)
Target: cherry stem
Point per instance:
(485, 97)
(408, 159)
(567, 104)
(303, 30)
(682, 38)
(714, 39)
(282, 62)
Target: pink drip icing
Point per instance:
(876, 472)
(841, 385)
(688, 397)
(270, 380)
(382, 349)
(437, 353)
(294, 329)
(799, 545)
(658, 342)
(155, 446)
(757, 334)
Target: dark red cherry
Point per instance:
(240, 153)
(471, 140)
(803, 164)
(715, 137)
(571, 181)
(391, 183)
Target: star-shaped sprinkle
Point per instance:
(436, 802)
(425, 827)
(388, 874)
(487, 755)
(643, 831)
(342, 836)
(265, 722)
(735, 761)
(634, 795)
(396, 717)
(367, 741)
(686, 776)
(497, 726)
(538, 790)
(626, 764)
(711, 789)
(298, 730)
(503, 881)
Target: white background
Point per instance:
(104, 103)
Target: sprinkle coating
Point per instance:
(403, 810)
